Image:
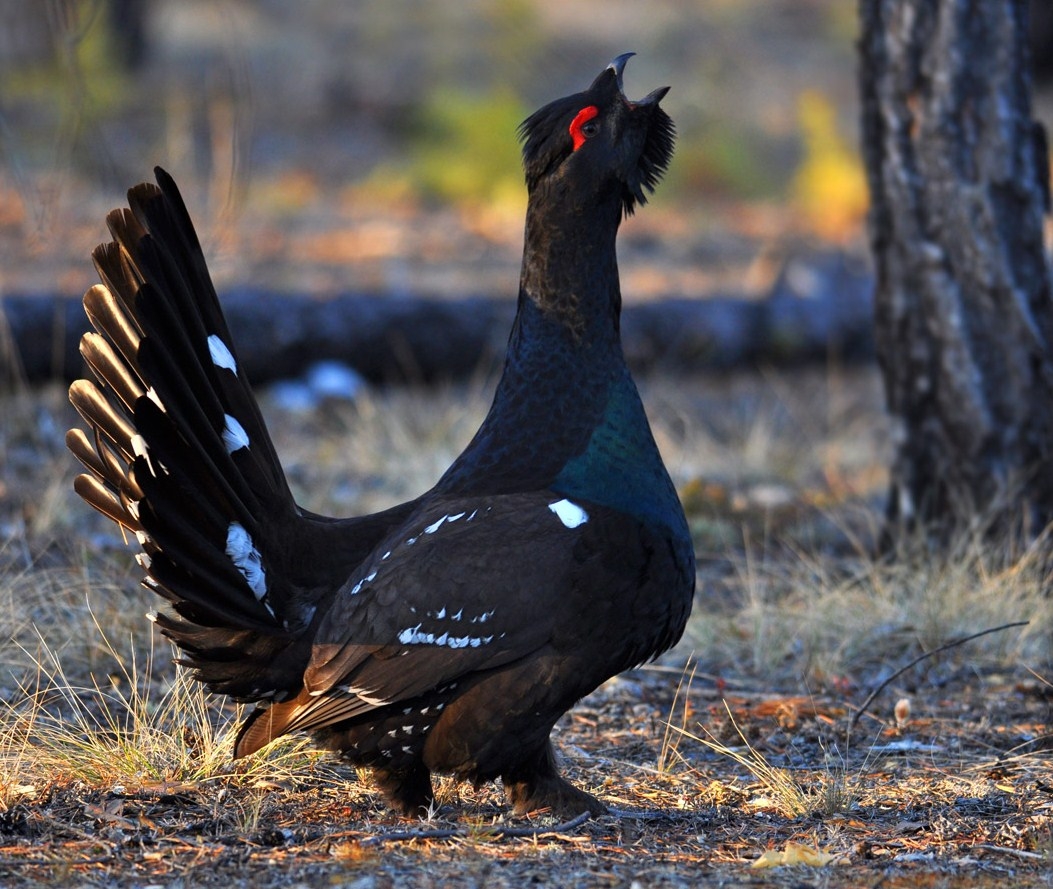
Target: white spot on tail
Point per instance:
(151, 393)
(247, 559)
(234, 435)
(141, 449)
(221, 355)
(569, 513)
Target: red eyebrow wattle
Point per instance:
(581, 118)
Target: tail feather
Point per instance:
(116, 268)
(96, 410)
(97, 495)
(88, 454)
(195, 473)
(112, 319)
(178, 454)
(107, 365)
(169, 223)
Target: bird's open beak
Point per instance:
(617, 65)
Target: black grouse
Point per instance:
(449, 633)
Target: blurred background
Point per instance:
(372, 146)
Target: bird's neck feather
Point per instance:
(570, 265)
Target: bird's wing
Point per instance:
(467, 586)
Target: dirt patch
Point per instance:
(958, 795)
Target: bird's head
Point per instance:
(598, 143)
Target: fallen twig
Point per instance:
(1018, 853)
(862, 707)
(497, 833)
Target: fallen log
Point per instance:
(817, 308)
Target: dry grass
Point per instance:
(115, 769)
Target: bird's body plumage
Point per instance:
(449, 633)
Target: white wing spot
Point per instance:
(221, 355)
(369, 695)
(414, 636)
(247, 559)
(434, 526)
(234, 435)
(357, 588)
(569, 513)
(151, 393)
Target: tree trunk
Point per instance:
(958, 176)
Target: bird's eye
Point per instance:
(584, 126)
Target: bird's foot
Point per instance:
(552, 792)
(407, 791)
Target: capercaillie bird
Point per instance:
(449, 633)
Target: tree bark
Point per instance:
(958, 176)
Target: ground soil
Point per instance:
(958, 795)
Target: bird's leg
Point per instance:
(408, 791)
(536, 784)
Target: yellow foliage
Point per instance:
(829, 187)
(795, 853)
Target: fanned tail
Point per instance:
(178, 454)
